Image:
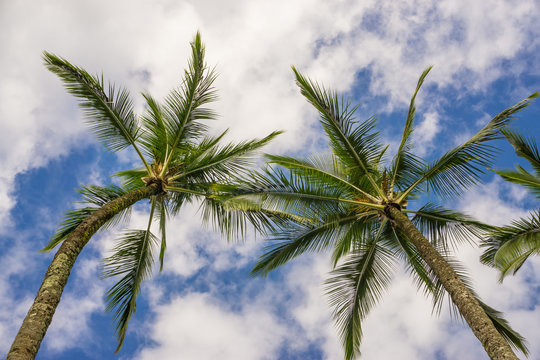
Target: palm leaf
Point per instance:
(404, 162)
(133, 259)
(320, 171)
(154, 137)
(462, 166)
(110, 115)
(211, 162)
(96, 196)
(508, 247)
(184, 107)
(447, 228)
(522, 177)
(354, 288)
(354, 143)
(525, 148)
(292, 239)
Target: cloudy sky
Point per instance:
(204, 306)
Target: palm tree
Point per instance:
(180, 163)
(508, 247)
(353, 203)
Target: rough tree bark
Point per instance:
(33, 329)
(495, 345)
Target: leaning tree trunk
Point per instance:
(493, 342)
(35, 324)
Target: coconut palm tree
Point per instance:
(508, 247)
(358, 206)
(180, 163)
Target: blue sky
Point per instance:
(204, 305)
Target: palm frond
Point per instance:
(212, 162)
(462, 166)
(96, 196)
(293, 239)
(184, 107)
(110, 115)
(404, 161)
(447, 228)
(161, 215)
(133, 259)
(508, 247)
(132, 179)
(233, 218)
(154, 138)
(354, 288)
(522, 177)
(320, 171)
(524, 147)
(424, 278)
(354, 143)
(514, 339)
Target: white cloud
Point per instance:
(196, 326)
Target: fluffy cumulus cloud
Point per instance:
(370, 49)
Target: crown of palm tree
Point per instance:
(344, 202)
(180, 162)
(509, 246)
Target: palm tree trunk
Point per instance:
(33, 329)
(493, 342)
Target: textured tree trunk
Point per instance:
(493, 342)
(33, 329)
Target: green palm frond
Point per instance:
(462, 166)
(132, 179)
(438, 292)
(233, 218)
(212, 162)
(162, 213)
(354, 143)
(524, 147)
(109, 114)
(354, 288)
(184, 107)
(132, 258)
(522, 177)
(405, 164)
(424, 278)
(154, 138)
(447, 228)
(319, 170)
(513, 338)
(293, 239)
(96, 196)
(508, 247)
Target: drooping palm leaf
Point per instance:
(513, 338)
(132, 258)
(524, 147)
(447, 228)
(96, 196)
(508, 247)
(294, 239)
(354, 288)
(522, 177)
